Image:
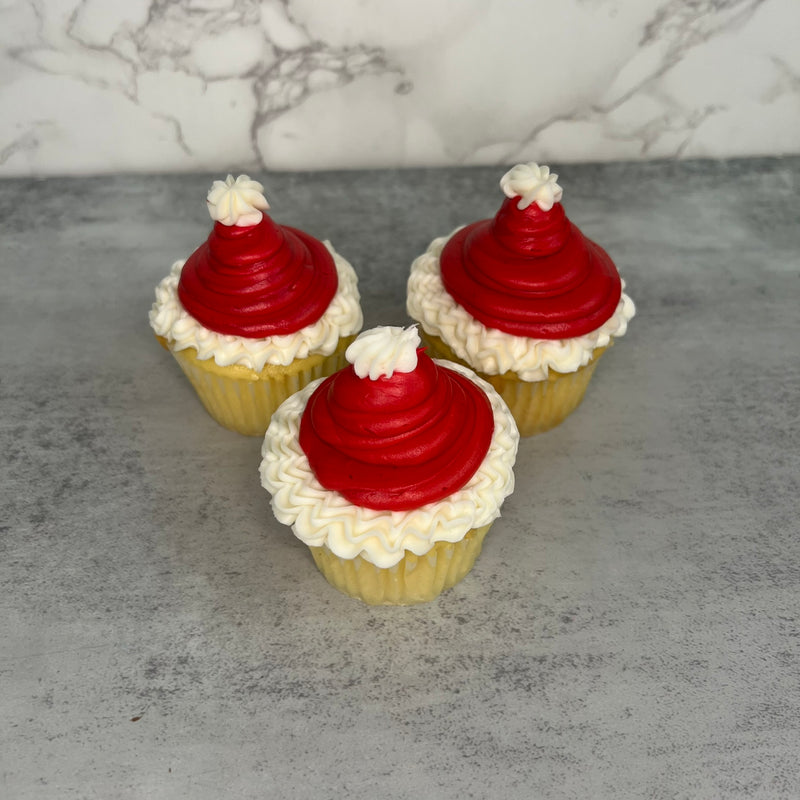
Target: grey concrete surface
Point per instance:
(630, 630)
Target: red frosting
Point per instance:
(400, 442)
(531, 273)
(258, 280)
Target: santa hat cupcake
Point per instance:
(257, 311)
(524, 298)
(372, 469)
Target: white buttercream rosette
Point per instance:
(236, 201)
(321, 517)
(532, 184)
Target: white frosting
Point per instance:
(342, 317)
(384, 350)
(320, 517)
(237, 202)
(489, 350)
(532, 183)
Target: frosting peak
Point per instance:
(237, 202)
(384, 350)
(529, 271)
(252, 277)
(532, 183)
(396, 442)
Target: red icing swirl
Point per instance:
(398, 442)
(531, 273)
(258, 280)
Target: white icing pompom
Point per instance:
(237, 202)
(383, 351)
(532, 183)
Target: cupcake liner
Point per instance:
(414, 579)
(243, 400)
(537, 406)
(541, 405)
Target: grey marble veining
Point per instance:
(92, 86)
(630, 630)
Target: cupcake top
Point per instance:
(253, 277)
(387, 432)
(525, 290)
(529, 271)
(374, 461)
(256, 292)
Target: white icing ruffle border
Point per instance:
(342, 317)
(319, 516)
(489, 350)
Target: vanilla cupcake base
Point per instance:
(537, 406)
(414, 579)
(243, 400)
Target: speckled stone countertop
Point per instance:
(631, 629)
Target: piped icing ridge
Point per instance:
(395, 441)
(529, 271)
(320, 517)
(252, 277)
(490, 350)
(342, 317)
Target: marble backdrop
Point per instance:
(93, 86)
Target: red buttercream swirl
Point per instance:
(398, 442)
(531, 273)
(258, 280)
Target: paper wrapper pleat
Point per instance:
(415, 579)
(537, 406)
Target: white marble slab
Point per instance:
(94, 86)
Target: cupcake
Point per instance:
(257, 311)
(372, 469)
(525, 299)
